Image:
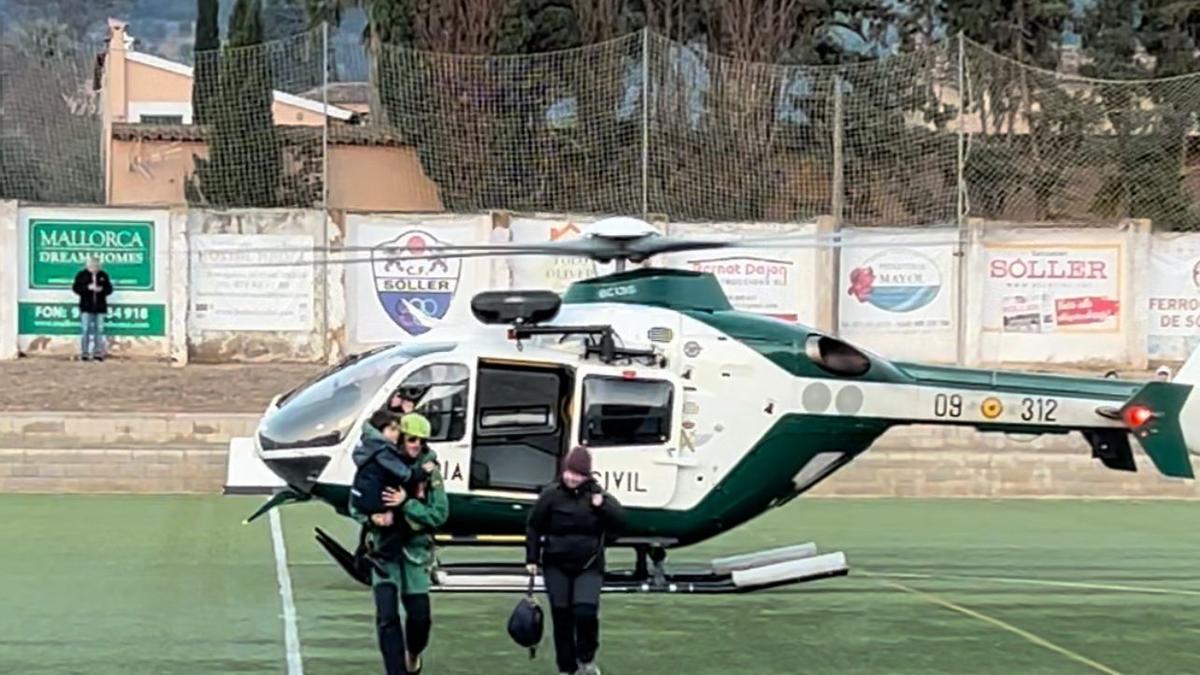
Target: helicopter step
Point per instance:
(736, 574)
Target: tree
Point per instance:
(206, 81)
(245, 164)
(388, 22)
(1148, 148)
(283, 19)
(81, 17)
(444, 103)
(49, 118)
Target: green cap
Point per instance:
(414, 424)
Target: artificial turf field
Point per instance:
(130, 585)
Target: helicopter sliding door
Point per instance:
(520, 428)
(628, 420)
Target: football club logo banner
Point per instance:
(413, 283)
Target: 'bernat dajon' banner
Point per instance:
(774, 282)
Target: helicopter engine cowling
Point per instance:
(835, 356)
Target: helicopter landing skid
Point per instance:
(736, 574)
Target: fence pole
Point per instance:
(837, 203)
(329, 351)
(325, 119)
(960, 208)
(645, 122)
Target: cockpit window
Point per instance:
(323, 412)
(617, 411)
(439, 392)
(341, 365)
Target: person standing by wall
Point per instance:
(93, 287)
(566, 532)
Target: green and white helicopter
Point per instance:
(700, 417)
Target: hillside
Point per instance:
(162, 27)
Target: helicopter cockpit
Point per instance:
(439, 392)
(322, 411)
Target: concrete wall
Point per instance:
(930, 461)
(146, 170)
(55, 452)
(380, 178)
(911, 313)
(255, 340)
(9, 280)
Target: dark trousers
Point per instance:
(575, 612)
(391, 636)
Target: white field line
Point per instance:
(1031, 637)
(1043, 582)
(291, 635)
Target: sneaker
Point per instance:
(588, 669)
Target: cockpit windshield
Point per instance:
(322, 412)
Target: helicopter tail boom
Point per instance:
(1164, 417)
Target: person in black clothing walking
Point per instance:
(93, 287)
(565, 535)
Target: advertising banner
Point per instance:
(1052, 288)
(249, 297)
(553, 273)
(754, 282)
(1173, 296)
(131, 246)
(770, 281)
(891, 288)
(403, 288)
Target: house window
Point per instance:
(161, 119)
(619, 412)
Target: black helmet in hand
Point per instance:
(525, 624)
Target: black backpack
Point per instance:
(526, 623)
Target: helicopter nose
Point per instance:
(298, 472)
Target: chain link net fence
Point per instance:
(262, 131)
(637, 125)
(50, 124)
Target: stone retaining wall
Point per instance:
(142, 453)
(168, 453)
(956, 462)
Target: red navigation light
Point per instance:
(628, 374)
(1137, 416)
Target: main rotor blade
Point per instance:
(316, 262)
(654, 246)
(602, 250)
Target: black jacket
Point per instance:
(565, 531)
(92, 302)
(381, 465)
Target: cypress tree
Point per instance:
(245, 164)
(207, 54)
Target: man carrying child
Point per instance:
(399, 495)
